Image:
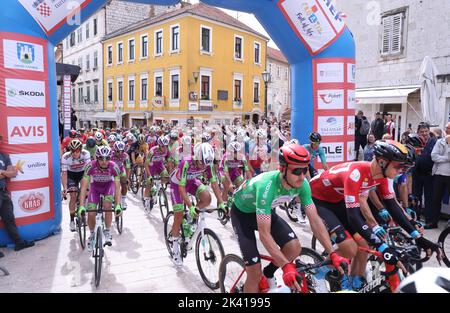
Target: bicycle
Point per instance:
(444, 244)
(208, 247)
(80, 222)
(136, 177)
(99, 237)
(291, 210)
(232, 273)
(163, 203)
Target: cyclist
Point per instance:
(91, 147)
(99, 139)
(315, 150)
(72, 170)
(186, 180)
(258, 152)
(174, 157)
(122, 160)
(341, 194)
(105, 176)
(155, 166)
(65, 143)
(151, 138)
(252, 210)
(111, 140)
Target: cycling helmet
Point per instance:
(98, 136)
(260, 133)
(235, 146)
(111, 138)
(414, 141)
(75, 145)
(411, 156)
(119, 146)
(103, 152)
(141, 138)
(427, 280)
(73, 134)
(153, 129)
(391, 150)
(315, 137)
(205, 152)
(90, 142)
(294, 154)
(206, 137)
(173, 134)
(130, 136)
(163, 141)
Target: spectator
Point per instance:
(389, 127)
(7, 170)
(405, 136)
(441, 175)
(369, 148)
(361, 132)
(377, 126)
(386, 137)
(437, 133)
(422, 178)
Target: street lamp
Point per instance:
(266, 79)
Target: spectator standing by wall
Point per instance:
(377, 126)
(369, 148)
(362, 129)
(389, 127)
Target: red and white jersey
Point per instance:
(347, 181)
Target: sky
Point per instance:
(249, 20)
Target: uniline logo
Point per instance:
(25, 53)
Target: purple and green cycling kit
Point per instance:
(122, 161)
(156, 159)
(233, 167)
(102, 182)
(188, 175)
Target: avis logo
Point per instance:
(25, 53)
(27, 131)
(327, 98)
(31, 202)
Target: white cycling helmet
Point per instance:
(427, 280)
(174, 134)
(119, 146)
(103, 152)
(112, 138)
(204, 152)
(206, 137)
(98, 136)
(260, 133)
(163, 140)
(235, 146)
(130, 136)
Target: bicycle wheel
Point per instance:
(444, 243)
(134, 184)
(163, 204)
(209, 253)
(168, 223)
(119, 224)
(98, 256)
(290, 211)
(309, 256)
(232, 275)
(81, 227)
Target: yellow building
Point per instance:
(196, 61)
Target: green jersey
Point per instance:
(91, 150)
(264, 192)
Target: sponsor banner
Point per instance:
(330, 125)
(334, 151)
(317, 23)
(22, 55)
(350, 151)
(26, 130)
(350, 125)
(50, 14)
(351, 100)
(351, 73)
(67, 90)
(330, 99)
(330, 73)
(30, 202)
(25, 93)
(30, 165)
(158, 102)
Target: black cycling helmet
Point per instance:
(391, 150)
(411, 156)
(315, 137)
(75, 145)
(414, 141)
(90, 142)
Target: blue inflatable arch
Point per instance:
(310, 33)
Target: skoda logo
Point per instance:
(12, 92)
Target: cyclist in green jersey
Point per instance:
(252, 210)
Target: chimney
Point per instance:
(152, 11)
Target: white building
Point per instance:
(279, 90)
(392, 38)
(83, 47)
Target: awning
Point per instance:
(104, 116)
(384, 95)
(66, 69)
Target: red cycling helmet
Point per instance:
(293, 154)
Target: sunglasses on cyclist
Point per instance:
(400, 166)
(299, 171)
(104, 158)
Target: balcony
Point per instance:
(237, 104)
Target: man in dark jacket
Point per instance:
(422, 172)
(377, 126)
(360, 140)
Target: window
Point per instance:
(256, 92)
(80, 35)
(238, 53)
(257, 53)
(144, 84)
(67, 42)
(175, 38)
(175, 86)
(80, 63)
(205, 87)
(95, 26)
(144, 46)
(110, 91)
(131, 49)
(88, 94)
(131, 90)
(119, 52)
(88, 63)
(158, 86)
(96, 59)
(278, 71)
(286, 73)
(96, 93)
(120, 91)
(237, 89)
(87, 30)
(392, 34)
(158, 42)
(110, 55)
(72, 39)
(80, 95)
(206, 39)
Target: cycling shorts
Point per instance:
(193, 187)
(107, 190)
(73, 181)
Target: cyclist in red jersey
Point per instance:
(341, 194)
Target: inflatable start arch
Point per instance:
(311, 34)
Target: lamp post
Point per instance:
(266, 79)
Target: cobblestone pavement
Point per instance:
(138, 260)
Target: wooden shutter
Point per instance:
(386, 35)
(397, 29)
